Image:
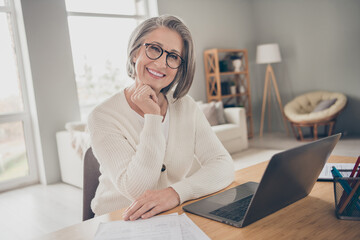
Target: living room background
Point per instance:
(318, 42)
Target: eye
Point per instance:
(155, 48)
(174, 57)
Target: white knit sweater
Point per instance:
(131, 154)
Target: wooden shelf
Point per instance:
(215, 80)
(227, 73)
(231, 95)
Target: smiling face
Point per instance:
(156, 73)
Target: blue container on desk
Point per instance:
(347, 194)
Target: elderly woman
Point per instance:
(155, 147)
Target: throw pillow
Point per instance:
(209, 111)
(324, 104)
(220, 112)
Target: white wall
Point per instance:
(52, 74)
(213, 24)
(318, 42)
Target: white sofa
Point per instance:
(233, 134)
(71, 162)
(72, 143)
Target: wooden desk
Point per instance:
(310, 218)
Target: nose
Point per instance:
(161, 61)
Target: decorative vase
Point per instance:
(242, 89)
(237, 65)
(233, 89)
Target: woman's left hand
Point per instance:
(151, 203)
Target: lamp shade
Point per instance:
(268, 53)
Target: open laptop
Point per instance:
(289, 177)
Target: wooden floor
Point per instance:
(33, 211)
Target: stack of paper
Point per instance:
(167, 227)
(326, 172)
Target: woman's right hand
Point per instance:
(145, 98)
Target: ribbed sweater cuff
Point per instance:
(184, 190)
(152, 122)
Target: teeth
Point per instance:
(155, 73)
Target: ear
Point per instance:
(135, 56)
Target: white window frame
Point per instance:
(149, 7)
(25, 115)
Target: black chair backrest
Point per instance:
(90, 183)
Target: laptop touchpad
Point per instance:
(234, 194)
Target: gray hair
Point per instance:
(185, 74)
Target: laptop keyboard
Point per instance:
(234, 211)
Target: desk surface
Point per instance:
(312, 217)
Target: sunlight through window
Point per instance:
(99, 33)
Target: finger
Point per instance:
(128, 208)
(145, 208)
(143, 90)
(152, 212)
(154, 97)
(132, 210)
(147, 91)
(138, 89)
(139, 94)
(151, 93)
(142, 198)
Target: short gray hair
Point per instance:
(185, 74)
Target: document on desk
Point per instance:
(169, 227)
(326, 172)
(189, 230)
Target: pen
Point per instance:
(345, 185)
(355, 168)
(342, 208)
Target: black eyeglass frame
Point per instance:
(162, 52)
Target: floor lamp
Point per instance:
(269, 53)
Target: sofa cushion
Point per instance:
(214, 116)
(324, 104)
(209, 111)
(226, 132)
(220, 112)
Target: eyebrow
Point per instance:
(161, 45)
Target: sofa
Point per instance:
(233, 133)
(73, 142)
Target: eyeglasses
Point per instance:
(154, 51)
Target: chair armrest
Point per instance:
(237, 115)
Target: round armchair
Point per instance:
(314, 109)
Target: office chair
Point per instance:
(91, 182)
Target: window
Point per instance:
(99, 34)
(17, 164)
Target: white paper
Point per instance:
(326, 172)
(164, 227)
(189, 230)
(160, 228)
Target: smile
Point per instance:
(157, 74)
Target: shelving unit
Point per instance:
(218, 82)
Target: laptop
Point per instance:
(289, 177)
